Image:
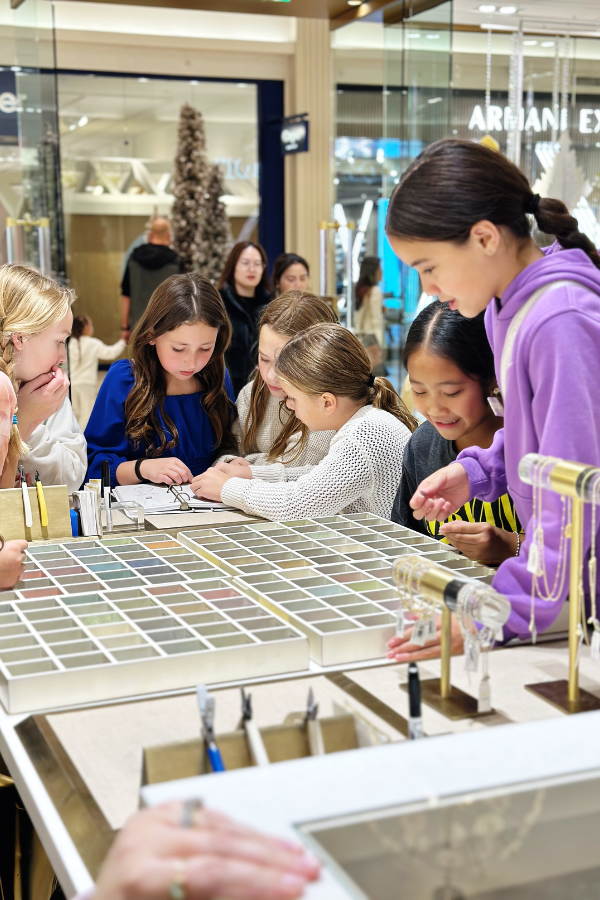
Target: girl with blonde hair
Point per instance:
(266, 430)
(326, 375)
(35, 321)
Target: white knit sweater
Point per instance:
(316, 447)
(361, 473)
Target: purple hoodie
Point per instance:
(553, 408)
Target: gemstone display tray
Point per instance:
(103, 619)
(330, 577)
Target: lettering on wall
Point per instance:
(533, 119)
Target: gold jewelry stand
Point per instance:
(439, 693)
(569, 480)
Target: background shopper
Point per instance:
(244, 289)
(290, 273)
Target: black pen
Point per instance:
(106, 493)
(415, 722)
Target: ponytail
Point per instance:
(384, 397)
(452, 185)
(553, 217)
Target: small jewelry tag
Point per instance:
(533, 559)
(471, 654)
(595, 644)
(497, 406)
(484, 701)
(420, 632)
(431, 629)
(400, 623)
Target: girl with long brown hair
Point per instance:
(266, 430)
(326, 375)
(162, 416)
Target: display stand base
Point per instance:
(557, 693)
(457, 706)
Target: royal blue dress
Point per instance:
(105, 432)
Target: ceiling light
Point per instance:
(547, 44)
(494, 26)
(72, 127)
(529, 43)
(83, 121)
(354, 2)
(487, 8)
(435, 100)
(380, 155)
(336, 180)
(432, 37)
(393, 173)
(508, 10)
(15, 68)
(143, 80)
(193, 81)
(241, 84)
(414, 34)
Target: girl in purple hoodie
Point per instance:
(461, 217)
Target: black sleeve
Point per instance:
(125, 284)
(402, 512)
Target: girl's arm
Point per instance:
(341, 478)
(108, 351)
(485, 469)
(105, 431)
(402, 512)
(58, 450)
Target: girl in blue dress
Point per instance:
(164, 415)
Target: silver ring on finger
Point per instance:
(190, 808)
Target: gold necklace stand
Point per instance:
(571, 480)
(429, 586)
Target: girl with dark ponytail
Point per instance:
(461, 216)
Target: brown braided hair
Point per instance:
(29, 303)
(288, 315)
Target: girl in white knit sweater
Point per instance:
(326, 375)
(266, 430)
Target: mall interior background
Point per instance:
(99, 86)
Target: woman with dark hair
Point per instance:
(451, 371)
(244, 289)
(290, 273)
(163, 416)
(368, 310)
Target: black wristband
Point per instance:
(138, 474)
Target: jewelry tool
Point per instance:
(26, 503)
(106, 493)
(415, 722)
(41, 500)
(258, 751)
(183, 500)
(313, 727)
(206, 704)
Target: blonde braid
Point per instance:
(7, 365)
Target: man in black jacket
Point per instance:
(147, 268)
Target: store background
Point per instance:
(92, 140)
